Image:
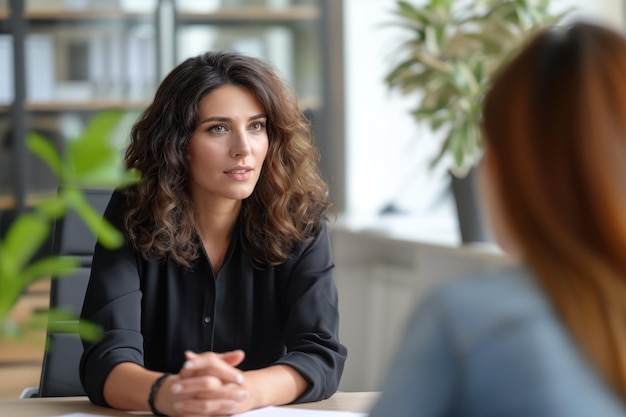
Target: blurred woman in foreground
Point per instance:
(546, 337)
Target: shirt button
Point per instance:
(207, 320)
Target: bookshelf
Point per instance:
(61, 61)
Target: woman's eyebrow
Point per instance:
(228, 119)
(215, 119)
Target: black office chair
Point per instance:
(59, 373)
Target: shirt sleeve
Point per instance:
(311, 334)
(421, 379)
(113, 302)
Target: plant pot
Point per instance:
(472, 225)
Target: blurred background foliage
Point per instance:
(452, 49)
(91, 160)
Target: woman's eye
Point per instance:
(217, 129)
(257, 126)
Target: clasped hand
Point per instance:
(208, 384)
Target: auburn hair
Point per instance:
(555, 123)
(290, 199)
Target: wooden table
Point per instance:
(44, 407)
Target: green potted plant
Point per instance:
(89, 161)
(452, 50)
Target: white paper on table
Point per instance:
(297, 412)
(268, 412)
(82, 415)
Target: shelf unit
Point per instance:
(255, 15)
(302, 38)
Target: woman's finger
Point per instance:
(226, 373)
(196, 385)
(208, 387)
(213, 364)
(233, 358)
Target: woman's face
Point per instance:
(228, 147)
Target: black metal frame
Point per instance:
(17, 24)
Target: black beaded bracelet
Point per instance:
(153, 390)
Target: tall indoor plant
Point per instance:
(91, 160)
(452, 50)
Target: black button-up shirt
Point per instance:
(152, 312)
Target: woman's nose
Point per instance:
(241, 144)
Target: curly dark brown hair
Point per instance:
(290, 199)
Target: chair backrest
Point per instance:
(59, 373)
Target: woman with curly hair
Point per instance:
(222, 299)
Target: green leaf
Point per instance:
(101, 125)
(61, 320)
(464, 78)
(457, 144)
(24, 238)
(421, 16)
(107, 235)
(87, 159)
(431, 40)
(441, 120)
(443, 150)
(424, 112)
(46, 151)
(400, 71)
(52, 266)
(93, 156)
(51, 207)
(11, 291)
(89, 331)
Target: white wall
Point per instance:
(379, 281)
(608, 12)
(387, 154)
